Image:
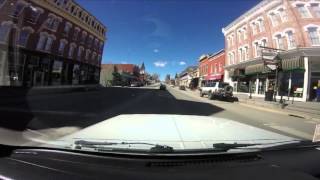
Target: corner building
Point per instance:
(292, 28)
(49, 42)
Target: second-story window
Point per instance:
(49, 43)
(254, 28)
(274, 19)
(62, 45)
(246, 53)
(257, 49)
(313, 35)
(35, 13)
(89, 41)
(80, 50)
(279, 41)
(71, 50)
(95, 44)
(316, 9)
(53, 23)
(261, 25)
(244, 33)
(23, 36)
(67, 28)
(291, 41)
(303, 11)
(87, 54)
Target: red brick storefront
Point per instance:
(211, 67)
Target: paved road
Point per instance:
(45, 117)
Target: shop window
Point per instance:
(23, 37)
(4, 32)
(303, 11)
(18, 9)
(313, 35)
(316, 9)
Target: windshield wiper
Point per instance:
(102, 146)
(227, 146)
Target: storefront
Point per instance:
(211, 78)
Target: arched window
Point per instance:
(290, 39)
(62, 45)
(24, 35)
(313, 35)
(5, 31)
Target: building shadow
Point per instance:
(83, 109)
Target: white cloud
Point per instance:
(160, 63)
(182, 63)
(156, 50)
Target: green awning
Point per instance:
(295, 63)
(256, 69)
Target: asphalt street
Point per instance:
(39, 118)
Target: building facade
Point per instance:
(211, 67)
(128, 73)
(49, 42)
(275, 46)
(186, 77)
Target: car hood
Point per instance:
(178, 131)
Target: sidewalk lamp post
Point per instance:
(273, 62)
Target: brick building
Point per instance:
(129, 73)
(49, 42)
(293, 29)
(211, 67)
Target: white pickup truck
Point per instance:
(217, 90)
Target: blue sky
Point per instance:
(167, 35)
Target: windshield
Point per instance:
(142, 75)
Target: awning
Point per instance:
(256, 69)
(236, 72)
(214, 77)
(295, 63)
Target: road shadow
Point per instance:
(82, 109)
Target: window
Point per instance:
(52, 23)
(93, 55)
(80, 49)
(49, 44)
(279, 41)
(316, 9)
(291, 41)
(89, 41)
(303, 11)
(257, 49)
(274, 19)
(67, 28)
(18, 9)
(75, 33)
(215, 68)
(35, 13)
(220, 67)
(283, 15)
(71, 50)
(23, 37)
(261, 25)
(233, 57)
(240, 54)
(244, 33)
(246, 53)
(239, 36)
(264, 43)
(87, 54)
(62, 45)
(95, 44)
(83, 36)
(42, 41)
(313, 36)
(4, 32)
(254, 28)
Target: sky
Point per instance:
(167, 35)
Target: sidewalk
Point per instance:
(11, 91)
(306, 110)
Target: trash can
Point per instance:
(268, 96)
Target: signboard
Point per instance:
(316, 135)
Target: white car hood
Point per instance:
(177, 131)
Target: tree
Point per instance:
(116, 76)
(155, 77)
(167, 79)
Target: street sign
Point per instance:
(316, 135)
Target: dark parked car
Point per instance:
(182, 88)
(162, 87)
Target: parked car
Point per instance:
(182, 87)
(218, 90)
(162, 87)
(134, 84)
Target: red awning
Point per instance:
(214, 77)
